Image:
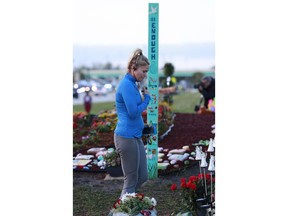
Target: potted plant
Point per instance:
(134, 204)
(113, 163)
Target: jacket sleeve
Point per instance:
(130, 94)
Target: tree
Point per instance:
(196, 77)
(169, 81)
(108, 66)
(168, 69)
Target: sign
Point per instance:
(153, 85)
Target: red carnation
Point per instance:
(117, 202)
(200, 176)
(193, 178)
(193, 186)
(173, 187)
(183, 179)
(189, 184)
(183, 184)
(140, 195)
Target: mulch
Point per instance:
(189, 129)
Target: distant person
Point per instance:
(87, 102)
(207, 88)
(130, 125)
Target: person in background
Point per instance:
(128, 131)
(207, 88)
(87, 102)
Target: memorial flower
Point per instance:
(192, 189)
(133, 204)
(112, 158)
(89, 129)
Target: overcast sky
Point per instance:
(126, 21)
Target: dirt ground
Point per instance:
(103, 181)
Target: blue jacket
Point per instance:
(129, 107)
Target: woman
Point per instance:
(128, 132)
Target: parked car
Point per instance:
(98, 86)
(82, 86)
(75, 93)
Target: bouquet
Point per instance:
(112, 158)
(132, 204)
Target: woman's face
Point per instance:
(140, 73)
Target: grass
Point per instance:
(184, 102)
(87, 201)
(96, 107)
(91, 200)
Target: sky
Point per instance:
(126, 21)
(98, 24)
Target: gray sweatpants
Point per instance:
(133, 161)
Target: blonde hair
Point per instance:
(137, 60)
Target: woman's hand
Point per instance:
(145, 91)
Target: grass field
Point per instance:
(184, 102)
(91, 200)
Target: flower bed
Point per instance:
(188, 129)
(98, 130)
(93, 130)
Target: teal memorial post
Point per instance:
(152, 109)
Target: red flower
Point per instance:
(183, 179)
(173, 187)
(200, 176)
(188, 185)
(94, 124)
(74, 125)
(160, 109)
(183, 184)
(117, 202)
(193, 178)
(193, 186)
(145, 213)
(140, 195)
